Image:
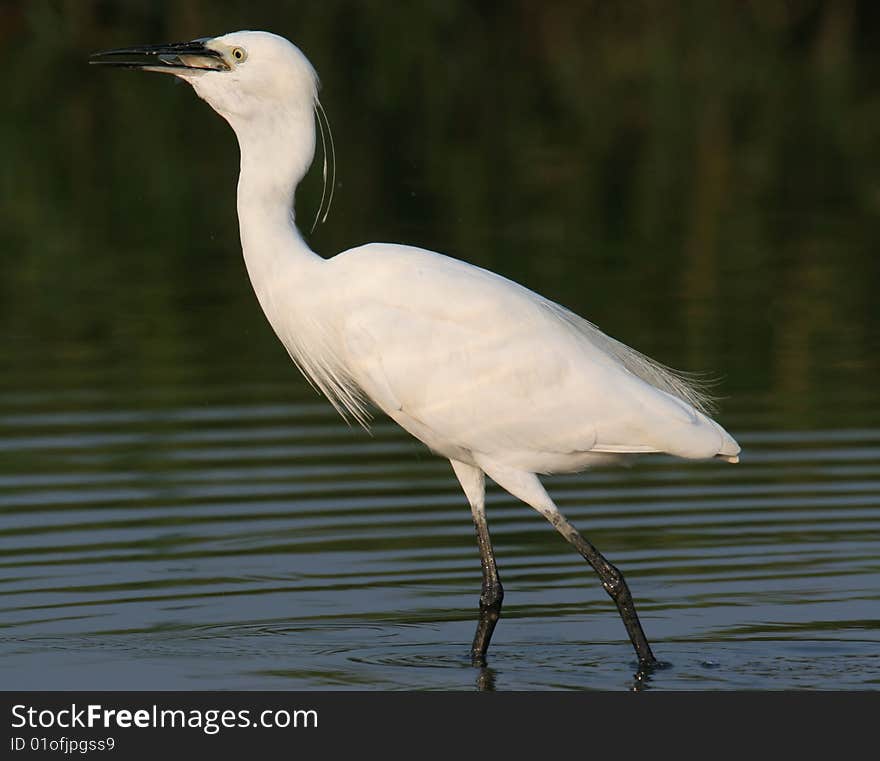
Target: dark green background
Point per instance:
(700, 179)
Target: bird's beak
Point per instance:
(172, 58)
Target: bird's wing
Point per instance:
(485, 365)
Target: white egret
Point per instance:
(485, 372)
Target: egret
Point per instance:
(485, 372)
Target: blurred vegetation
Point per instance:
(700, 179)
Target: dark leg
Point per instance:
(528, 488)
(492, 594)
(614, 584)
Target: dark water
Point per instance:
(242, 545)
(179, 511)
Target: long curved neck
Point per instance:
(276, 151)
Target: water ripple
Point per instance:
(174, 533)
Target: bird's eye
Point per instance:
(239, 54)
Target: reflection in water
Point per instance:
(486, 679)
(159, 548)
(644, 675)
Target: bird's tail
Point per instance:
(730, 449)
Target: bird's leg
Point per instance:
(528, 488)
(492, 593)
(613, 583)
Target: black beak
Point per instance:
(176, 56)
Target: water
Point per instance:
(269, 546)
(179, 511)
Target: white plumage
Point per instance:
(469, 362)
(485, 372)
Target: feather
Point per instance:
(689, 388)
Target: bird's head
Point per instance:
(266, 89)
(244, 76)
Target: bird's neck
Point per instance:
(274, 158)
